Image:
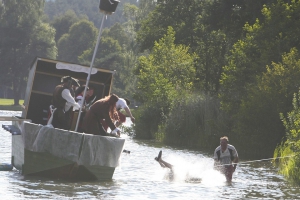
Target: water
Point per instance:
(140, 177)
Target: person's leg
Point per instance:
(104, 124)
(162, 162)
(122, 119)
(59, 119)
(166, 164)
(228, 173)
(101, 129)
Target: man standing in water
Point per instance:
(226, 158)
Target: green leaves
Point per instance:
(23, 36)
(80, 37)
(289, 167)
(167, 72)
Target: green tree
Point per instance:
(290, 148)
(108, 54)
(254, 94)
(212, 48)
(80, 38)
(23, 36)
(89, 8)
(63, 23)
(162, 76)
(117, 32)
(167, 72)
(181, 15)
(258, 117)
(265, 42)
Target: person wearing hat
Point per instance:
(63, 100)
(102, 109)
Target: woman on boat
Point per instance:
(79, 95)
(102, 109)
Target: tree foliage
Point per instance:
(90, 8)
(181, 15)
(162, 76)
(80, 38)
(166, 73)
(23, 37)
(289, 149)
(62, 23)
(264, 43)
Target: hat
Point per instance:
(65, 79)
(113, 98)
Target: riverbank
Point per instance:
(7, 104)
(11, 107)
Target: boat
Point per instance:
(41, 150)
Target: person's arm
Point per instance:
(79, 100)
(111, 124)
(68, 97)
(235, 161)
(216, 161)
(127, 110)
(236, 158)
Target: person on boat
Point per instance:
(226, 158)
(79, 95)
(102, 109)
(90, 96)
(63, 100)
(87, 103)
(122, 103)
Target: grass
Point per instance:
(8, 104)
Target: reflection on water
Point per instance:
(140, 177)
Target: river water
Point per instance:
(139, 176)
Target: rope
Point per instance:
(251, 161)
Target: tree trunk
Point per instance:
(16, 92)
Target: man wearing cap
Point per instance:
(63, 100)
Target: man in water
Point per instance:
(163, 163)
(226, 158)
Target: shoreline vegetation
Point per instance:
(8, 104)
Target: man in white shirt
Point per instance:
(123, 104)
(63, 100)
(226, 158)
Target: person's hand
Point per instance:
(116, 133)
(76, 107)
(132, 119)
(234, 167)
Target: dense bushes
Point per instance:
(289, 166)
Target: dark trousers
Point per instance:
(61, 119)
(228, 171)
